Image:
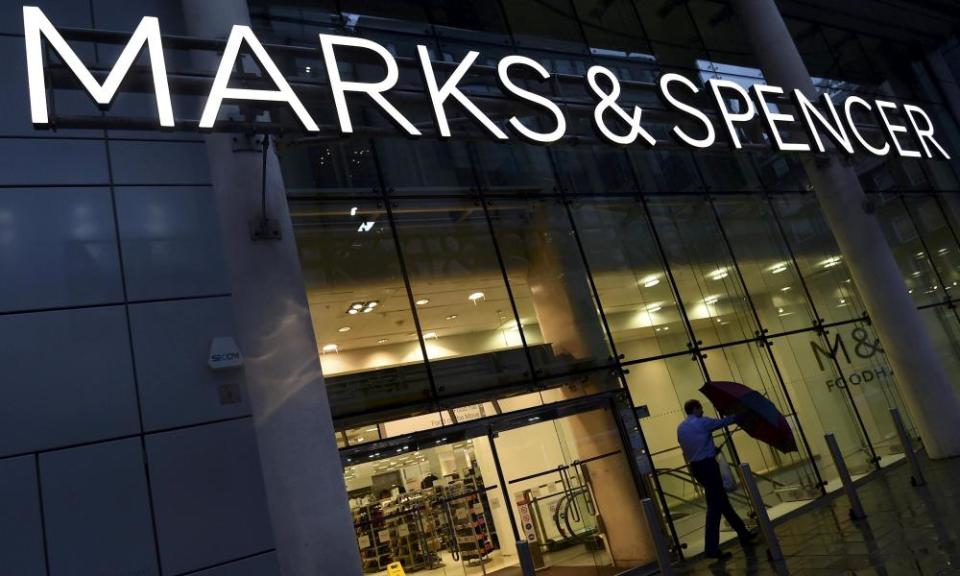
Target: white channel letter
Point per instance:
(711, 137)
(761, 91)
(923, 134)
(848, 114)
(836, 131)
(893, 129)
(439, 94)
(374, 90)
(36, 25)
(221, 90)
(730, 117)
(503, 73)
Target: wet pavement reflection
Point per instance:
(907, 531)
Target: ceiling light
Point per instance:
(942, 251)
(430, 336)
(718, 274)
(356, 306)
(352, 311)
(382, 341)
(476, 297)
(654, 308)
(711, 300)
(367, 310)
(778, 268)
(372, 304)
(920, 254)
(666, 328)
(786, 289)
(831, 262)
(330, 348)
(650, 281)
(423, 302)
(452, 317)
(344, 329)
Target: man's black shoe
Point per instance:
(718, 555)
(749, 538)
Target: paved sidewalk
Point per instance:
(908, 531)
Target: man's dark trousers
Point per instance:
(707, 473)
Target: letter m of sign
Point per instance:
(831, 352)
(36, 26)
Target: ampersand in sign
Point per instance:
(865, 348)
(608, 101)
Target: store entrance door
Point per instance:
(572, 492)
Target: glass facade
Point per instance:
(452, 281)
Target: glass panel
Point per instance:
(341, 169)
(937, 233)
(469, 329)
(908, 250)
(545, 22)
(571, 488)
(944, 328)
(818, 258)
(764, 260)
(870, 379)
(369, 351)
(558, 314)
(823, 404)
(612, 26)
(786, 479)
(627, 270)
(706, 277)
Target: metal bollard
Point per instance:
(856, 508)
(659, 542)
(917, 479)
(774, 553)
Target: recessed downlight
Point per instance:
(330, 348)
(343, 329)
(476, 297)
(650, 281)
(423, 301)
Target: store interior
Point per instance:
(436, 505)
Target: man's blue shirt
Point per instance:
(695, 435)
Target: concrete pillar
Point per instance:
(923, 380)
(310, 517)
(568, 320)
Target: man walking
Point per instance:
(695, 435)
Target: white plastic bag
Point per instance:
(729, 480)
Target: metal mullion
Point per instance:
(924, 245)
(765, 342)
(692, 346)
(474, 161)
(820, 328)
(385, 198)
(926, 248)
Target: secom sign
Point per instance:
(821, 119)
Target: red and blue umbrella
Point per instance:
(762, 421)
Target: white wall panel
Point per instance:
(67, 379)
(21, 543)
(171, 242)
(97, 511)
(58, 248)
(209, 496)
(171, 342)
